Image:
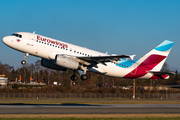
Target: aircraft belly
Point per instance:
(52, 55)
(97, 70)
(113, 70)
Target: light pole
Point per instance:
(134, 88)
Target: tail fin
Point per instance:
(152, 61)
(155, 59)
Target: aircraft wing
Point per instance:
(102, 59)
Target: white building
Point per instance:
(3, 81)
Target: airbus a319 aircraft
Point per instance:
(59, 55)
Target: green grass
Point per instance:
(146, 118)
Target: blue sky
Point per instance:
(113, 26)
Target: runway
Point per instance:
(87, 108)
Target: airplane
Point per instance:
(59, 55)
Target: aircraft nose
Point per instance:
(5, 40)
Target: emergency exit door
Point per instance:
(31, 39)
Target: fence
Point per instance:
(88, 95)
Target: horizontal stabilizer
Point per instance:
(161, 73)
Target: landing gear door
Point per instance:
(31, 39)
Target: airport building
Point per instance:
(3, 81)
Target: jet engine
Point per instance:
(66, 62)
(50, 64)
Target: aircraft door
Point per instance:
(31, 39)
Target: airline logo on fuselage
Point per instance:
(18, 40)
(52, 41)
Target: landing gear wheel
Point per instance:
(84, 77)
(74, 77)
(23, 62)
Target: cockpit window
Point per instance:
(17, 35)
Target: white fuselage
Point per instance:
(44, 47)
(48, 48)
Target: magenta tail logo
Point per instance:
(146, 66)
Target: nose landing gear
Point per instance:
(23, 62)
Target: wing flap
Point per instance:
(104, 58)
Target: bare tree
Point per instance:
(165, 68)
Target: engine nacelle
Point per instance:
(66, 62)
(50, 64)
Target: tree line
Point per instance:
(42, 74)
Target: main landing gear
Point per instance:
(83, 77)
(74, 77)
(23, 62)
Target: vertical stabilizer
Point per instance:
(156, 57)
(152, 61)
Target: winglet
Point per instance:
(132, 56)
